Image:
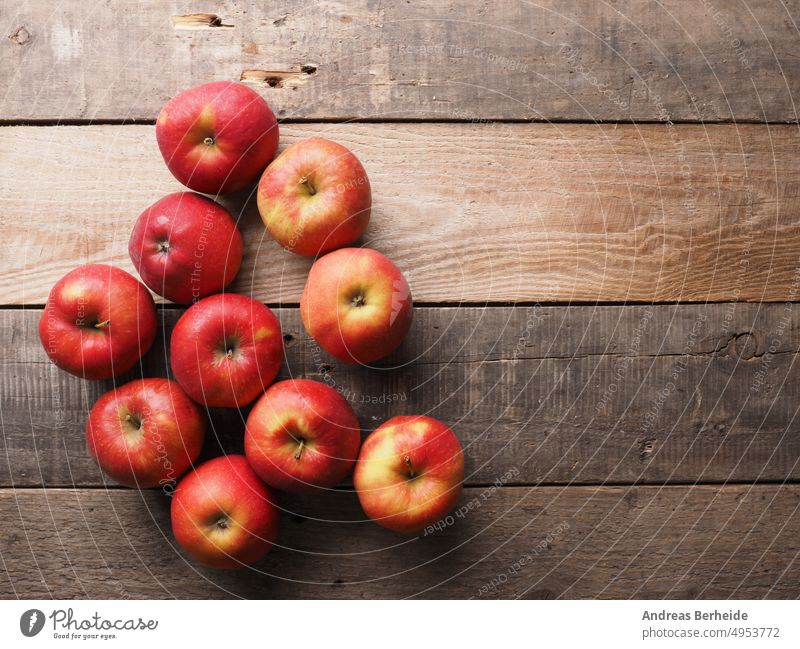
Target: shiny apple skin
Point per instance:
(302, 436)
(218, 137)
(223, 515)
(409, 473)
(203, 335)
(98, 322)
(315, 197)
(186, 247)
(146, 433)
(356, 334)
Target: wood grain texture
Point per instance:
(537, 395)
(425, 60)
(534, 212)
(578, 542)
(569, 417)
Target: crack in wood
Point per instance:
(199, 21)
(293, 78)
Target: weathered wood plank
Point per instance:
(579, 542)
(420, 60)
(552, 395)
(470, 212)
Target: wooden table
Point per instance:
(597, 208)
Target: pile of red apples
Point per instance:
(301, 436)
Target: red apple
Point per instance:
(98, 322)
(409, 473)
(223, 515)
(302, 435)
(185, 247)
(315, 197)
(218, 137)
(356, 304)
(226, 349)
(146, 433)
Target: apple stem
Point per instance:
(309, 186)
(299, 449)
(410, 468)
(102, 325)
